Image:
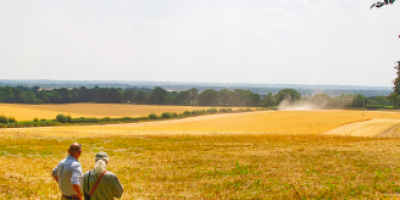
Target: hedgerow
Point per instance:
(65, 120)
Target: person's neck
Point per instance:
(74, 156)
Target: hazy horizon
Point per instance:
(186, 82)
(328, 42)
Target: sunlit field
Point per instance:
(246, 166)
(49, 111)
(270, 122)
(256, 155)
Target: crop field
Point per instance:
(269, 122)
(238, 166)
(256, 155)
(24, 112)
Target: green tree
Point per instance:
(55, 97)
(255, 99)
(62, 118)
(10, 97)
(102, 95)
(158, 95)
(128, 95)
(66, 96)
(166, 115)
(360, 100)
(208, 98)
(225, 97)
(182, 98)
(23, 98)
(395, 95)
(76, 95)
(269, 100)
(288, 94)
(31, 96)
(84, 93)
(35, 88)
(2, 96)
(153, 116)
(194, 92)
(42, 96)
(114, 96)
(379, 100)
(141, 97)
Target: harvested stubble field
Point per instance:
(24, 112)
(231, 156)
(238, 166)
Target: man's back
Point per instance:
(108, 188)
(68, 172)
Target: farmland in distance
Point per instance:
(24, 112)
(333, 122)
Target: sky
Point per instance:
(337, 42)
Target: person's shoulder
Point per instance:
(110, 174)
(87, 173)
(75, 164)
(63, 160)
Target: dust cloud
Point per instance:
(318, 102)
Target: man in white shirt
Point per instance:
(68, 174)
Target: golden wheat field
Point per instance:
(334, 122)
(23, 112)
(255, 155)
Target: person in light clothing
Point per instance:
(68, 174)
(109, 186)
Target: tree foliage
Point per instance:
(395, 95)
(208, 98)
(288, 94)
(382, 3)
(160, 96)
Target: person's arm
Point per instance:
(77, 189)
(76, 179)
(116, 187)
(82, 187)
(54, 174)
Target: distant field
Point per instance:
(290, 122)
(49, 111)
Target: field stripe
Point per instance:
(371, 128)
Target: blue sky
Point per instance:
(337, 42)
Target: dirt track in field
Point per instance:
(380, 128)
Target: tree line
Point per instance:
(160, 96)
(156, 96)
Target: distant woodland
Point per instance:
(160, 96)
(263, 89)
